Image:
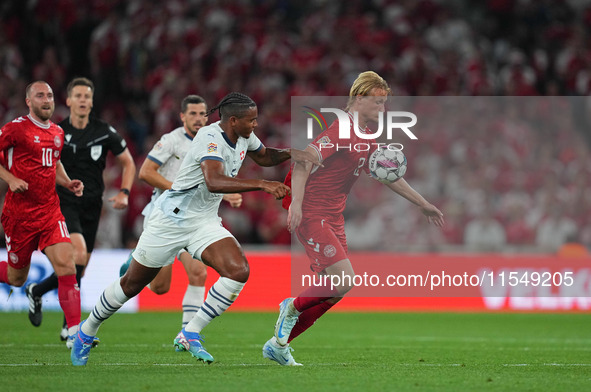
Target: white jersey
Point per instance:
(168, 153)
(189, 199)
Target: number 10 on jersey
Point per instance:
(47, 156)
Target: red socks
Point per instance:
(308, 318)
(4, 272)
(68, 293)
(312, 303)
(313, 296)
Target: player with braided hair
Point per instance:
(186, 216)
(233, 103)
(159, 170)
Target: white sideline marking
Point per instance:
(64, 344)
(431, 364)
(499, 340)
(547, 364)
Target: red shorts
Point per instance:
(324, 240)
(25, 236)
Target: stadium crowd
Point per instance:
(520, 182)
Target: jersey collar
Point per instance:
(366, 130)
(39, 124)
(227, 139)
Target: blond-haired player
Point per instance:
(315, 214)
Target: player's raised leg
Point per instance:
(13, 276)
(20, 244)
(16, 275)
(281, 353)
(296, 315)
(227, 258)
(294, 311)
(16, 272)
(110, 301)
(288, 316)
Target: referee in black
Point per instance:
(87, 141)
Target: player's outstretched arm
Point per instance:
(62, 179)
(15, 184)
(217, 182)
(269, 156)
(429, 210)
(121, 199)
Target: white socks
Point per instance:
(109, 302)
(192, 302)
(219, 298)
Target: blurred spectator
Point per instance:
(364, 232)
(519, 232)
(554, 229)
(485, 234)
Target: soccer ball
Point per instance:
(387, 165)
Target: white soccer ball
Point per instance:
(387, 165)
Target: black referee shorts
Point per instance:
(82, 216)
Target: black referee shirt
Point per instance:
(84, 155)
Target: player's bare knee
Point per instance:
(18, 281)
(239, 272)
(63, 262)
(344, 283)
(200, 273)
(159, 288)
(198, 277)
(79, 257)
(65, 268)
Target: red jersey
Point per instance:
(327, 187)
(31, 152)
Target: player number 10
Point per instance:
(46, 157)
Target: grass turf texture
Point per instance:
(342, 352)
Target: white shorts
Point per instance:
(162, 239)
(146, 212)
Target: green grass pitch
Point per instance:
(342, 352)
